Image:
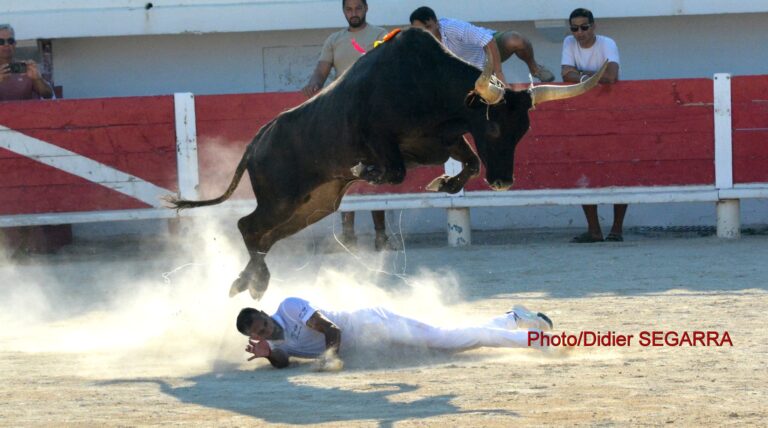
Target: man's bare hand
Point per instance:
(328, 362)
(310, 90)
(33, 72)
(259, 349)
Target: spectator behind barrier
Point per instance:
(339, 52)
(21, 80)
(584, 52)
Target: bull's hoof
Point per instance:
(393, 176)
(445, 183)
(357, 170)
(369, 173)
(256, 293)
(255, 282)
(238, 286)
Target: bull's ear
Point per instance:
(473, 100)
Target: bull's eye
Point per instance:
(492, 130)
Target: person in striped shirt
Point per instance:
(469, 41)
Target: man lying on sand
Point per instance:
(300, 329)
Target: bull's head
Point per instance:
(505, 119)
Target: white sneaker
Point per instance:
(528, 320)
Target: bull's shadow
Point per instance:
(270, 395)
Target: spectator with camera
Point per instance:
(19, 80)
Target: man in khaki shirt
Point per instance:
(339, 53)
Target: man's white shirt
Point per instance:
(592, 58)
(299, 340)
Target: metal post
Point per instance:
(459, 230)
(728, 219)
(186, 154)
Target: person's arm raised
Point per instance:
(492, 49)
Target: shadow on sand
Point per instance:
(265, 393)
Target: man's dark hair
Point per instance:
(582, 13)
(423, 14)
(246, 318)
(344, 3)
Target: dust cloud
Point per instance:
(138, 310)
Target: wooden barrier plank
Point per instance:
(615, 148)
(82, 197)
(101, 112)
(226, 124)
(664, 136)
(148, 152)
(750, 128)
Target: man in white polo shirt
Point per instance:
(300, 329)
(584, 52)
(469, 41)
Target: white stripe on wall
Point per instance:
(78, 165)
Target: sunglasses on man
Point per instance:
(584, 27)
(11, 41)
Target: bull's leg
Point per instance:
(386, 163)
(320, 203)
(462, 152)
(313, 207)
(254, 228)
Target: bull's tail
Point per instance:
(180, 204)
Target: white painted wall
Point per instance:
(651, 48)
(98, 18)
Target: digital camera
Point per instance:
(17, 67)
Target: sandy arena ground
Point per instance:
(142, 333)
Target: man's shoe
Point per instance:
(544, 75)
(528, 320)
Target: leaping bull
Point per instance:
(406, 103)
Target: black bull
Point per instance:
(406, 103)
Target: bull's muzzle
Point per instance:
(501, 184)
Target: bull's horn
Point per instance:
(543, 93)
(491, 92)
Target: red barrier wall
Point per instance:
(635, 133)
(638, 133)
(135, 135)
(749, 104)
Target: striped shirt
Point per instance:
(465, 40)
